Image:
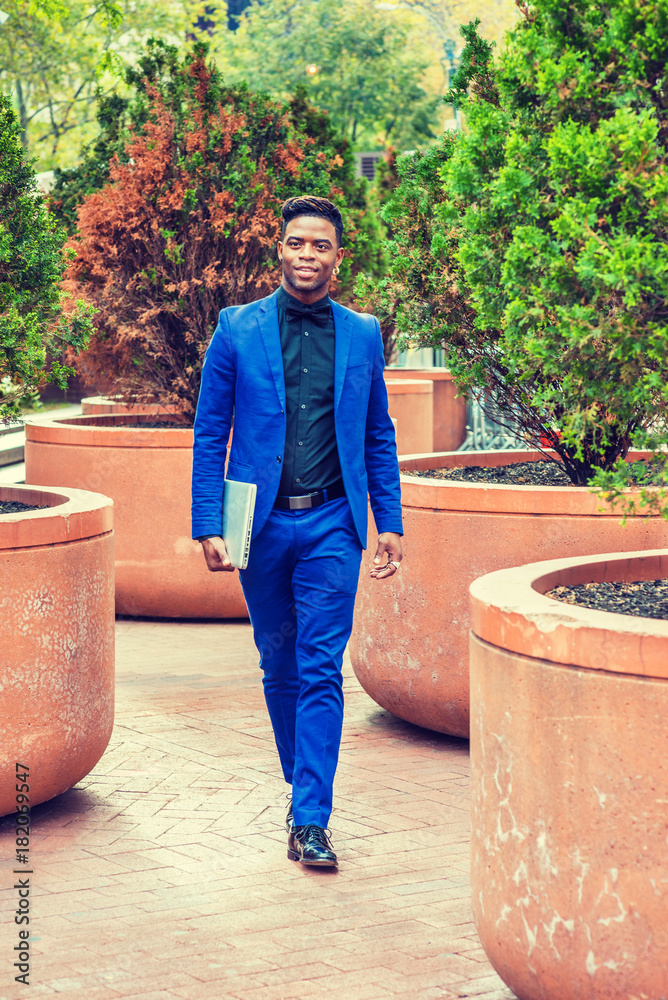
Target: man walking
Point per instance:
(304, 379)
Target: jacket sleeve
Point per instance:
(380, 451)
(213, 421)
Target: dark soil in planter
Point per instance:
(128, 420)
(645, 598)
(16, 507)
(159, 424)
(515, 474)
(541, 473)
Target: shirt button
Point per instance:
(300, 443)
(278, 458)
(306, 333)
(305, 371)
(298, 480)
(303, 406)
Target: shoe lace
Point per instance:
(316, 835)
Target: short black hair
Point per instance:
(318, 208)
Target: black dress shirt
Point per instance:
(311, 457)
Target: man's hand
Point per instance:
(216, 555)
(388, 555)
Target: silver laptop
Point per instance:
(238, 508)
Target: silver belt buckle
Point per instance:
(300, 503)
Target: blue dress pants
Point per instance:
(300, 586)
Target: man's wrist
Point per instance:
(203, 538)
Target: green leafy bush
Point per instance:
(31, 267)
(367, 65)
(533, 245)
(188, 215)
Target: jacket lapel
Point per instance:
(343, 331)
(268, 321)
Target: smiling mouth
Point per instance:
(305, 270)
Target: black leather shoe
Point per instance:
(289, 821)
(311, 845)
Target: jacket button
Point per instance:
(278, 458)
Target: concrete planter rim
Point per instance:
(71, 514)
(498, 498)
(107, 431)
(436, 374)
(509, 609)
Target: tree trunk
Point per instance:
(23, 114)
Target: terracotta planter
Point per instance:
(57, 648)
(449, 409)
(160, 571)
(570, 784)
(411, 404)
(410, 641)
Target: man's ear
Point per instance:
(340, 253)
(279, 250)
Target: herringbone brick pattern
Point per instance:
(164, 873)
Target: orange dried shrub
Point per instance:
(186, 225)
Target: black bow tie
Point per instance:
(318, 313)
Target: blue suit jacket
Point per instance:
(243, 374)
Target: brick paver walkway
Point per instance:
(164, 873)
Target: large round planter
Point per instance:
(570, 784)
(411, 404)
(410, 640)
(57, 648)
(160, 571)
(449, 408)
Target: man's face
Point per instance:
(309, 253)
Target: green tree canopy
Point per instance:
(56, 54)
(361, 63)
(31, 267)
(544, 230)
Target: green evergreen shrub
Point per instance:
(31, 267)
(533, 245)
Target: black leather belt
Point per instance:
(316, 499)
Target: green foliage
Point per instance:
(365, 247)
(419, 301)
(72, 184)
(109, 12)
(56, 54)
(119, 115)
(356, 60)
(548, 216)
(188, 220)
(31, 267)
